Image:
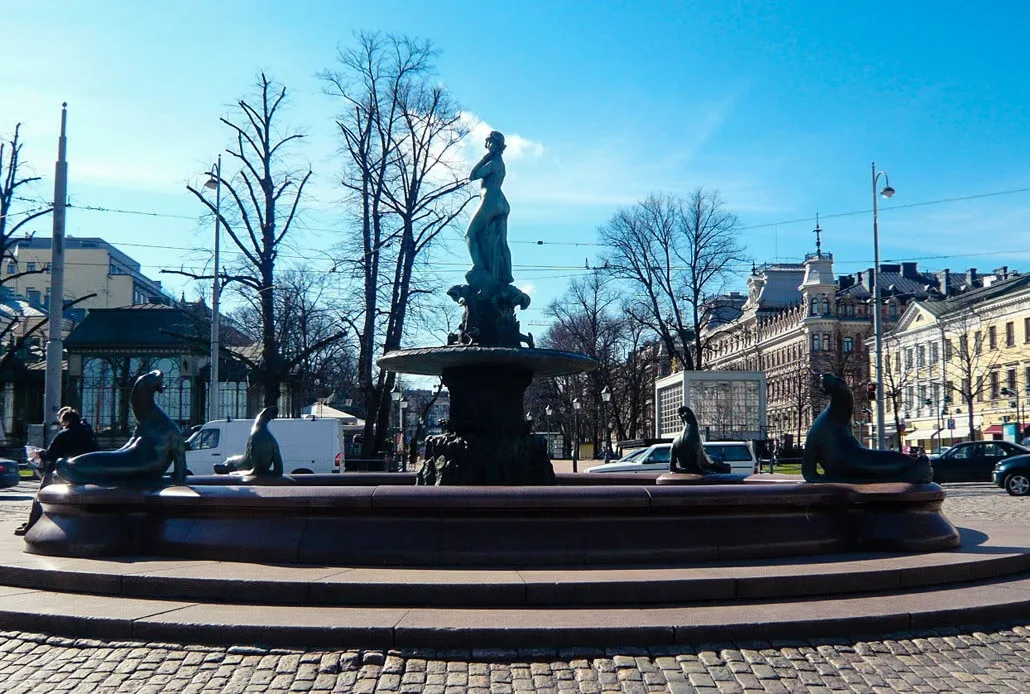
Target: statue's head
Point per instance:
(833, 384)
(495, 141)
(154, 380)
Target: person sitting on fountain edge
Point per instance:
(74, 438)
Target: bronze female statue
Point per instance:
(487, 234)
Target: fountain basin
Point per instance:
(385, 520)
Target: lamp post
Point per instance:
(887, 192)
(214, 181)
(575, 433)
(547, 425)
(398, 397)
(1013, 393)
(606, 397)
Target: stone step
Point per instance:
(991, 551)
(154, 620)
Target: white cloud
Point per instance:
(527, 288)
(517, 147)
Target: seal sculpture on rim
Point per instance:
(832, 447)
(261, 457)
(688, 453)
(156, 445)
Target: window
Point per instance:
(1026, 378)
(908, 359)
(30, 267)
(1010, 379)
(947, 349)
(1010, 334)
(826, 307)
(893, 310)
(934, 354)
(1026, 330)
(995, 385)
(33, 296)
(815, 307)
(849, 344)
(920, 356)
(992, 337)
(826, 342)
(815, 343)
(207, 438)
(963, 345)
(12, 268)
(978, 342)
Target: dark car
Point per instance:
(973, 461)
(1013, 475)
(9, 475)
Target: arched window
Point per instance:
(815, 343)
(826, 342)
(849, 344)
(815, 307)
(826, 307)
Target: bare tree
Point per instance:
(309, 333)
(964, 353)
(401, 132)
(17, 210)
(255, 222)
(896, 381)
(676, 253)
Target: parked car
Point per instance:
(738, 454)
(9, 475)
(973, 461)
(1013, 475)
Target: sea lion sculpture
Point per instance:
(688, 453)
(832, 446)
(156, 445)
(261, 457)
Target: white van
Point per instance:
(307, 445)
(737, 454)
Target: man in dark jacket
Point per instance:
(73, 439)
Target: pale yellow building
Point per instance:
(92, 266)
(958, 369)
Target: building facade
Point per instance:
(958, 368)
(92, 266)
(799, 321)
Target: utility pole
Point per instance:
(216, 290)
(55, 321)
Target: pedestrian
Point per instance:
(73, 439)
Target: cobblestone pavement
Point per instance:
(987, 658)
(995, 659)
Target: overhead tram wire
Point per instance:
(96, 208)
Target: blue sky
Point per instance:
(780, 106)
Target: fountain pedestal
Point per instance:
(488, 441)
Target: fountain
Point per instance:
(487, 494)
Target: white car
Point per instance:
(738, 454)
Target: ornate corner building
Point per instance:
(800, 320)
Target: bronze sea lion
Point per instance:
(832, 446)
(261, 457)
(156, 445)
(688, 454)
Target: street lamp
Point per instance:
(887, 192)
(575, 433)
(398, 397)
(214, 182)
(1012, 393)
(606, 397)
(547, 425)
